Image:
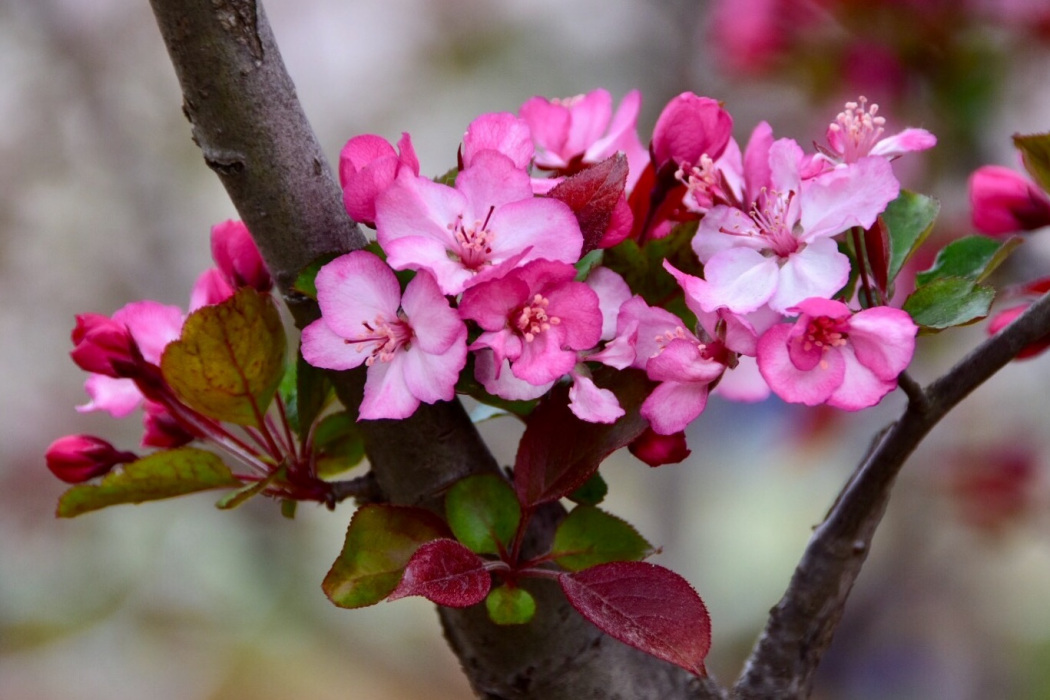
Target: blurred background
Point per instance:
(105, 200)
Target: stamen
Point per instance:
(859, 129)
(386, 338)
(533, 318)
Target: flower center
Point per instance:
(386, 338)
(824, 333)
(473, 241)
(770, 214)
(858, 128)
(703, 181)
(533, 318)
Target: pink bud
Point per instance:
(101, 345)
(237, 256)
(656, 450)
(690, 127)
(1004, 318)
(1005, 201)
(162, 430)
(368, 166)
(78, 458)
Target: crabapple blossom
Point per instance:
(501, 132)
(413, 344)
(463, 235)
(781, 250)
(1004, 201)
(235, 254)
(570, 133)
(101, 345)
(79, 458)
(536, 317)
(857, 130)
(151, 326)
(834, 356)
(368, 165)
(688, 128)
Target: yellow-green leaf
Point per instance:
(229, 360)
(160, 475)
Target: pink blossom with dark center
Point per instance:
(834, 356)
(414, 345)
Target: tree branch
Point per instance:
(800, 627)
(252, 132)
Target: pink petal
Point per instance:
(905, 141)
(743, 383)
(118, 397)
(501, 132)
(681, 361)
(580, 319)
(589, 117)
(386, 393)
(849, 195)
(543, 360)
(724, 228)
(689, 127)
(489, 304)
(492, 180)
(435, 324)
(591, 403)
(756, 159)
(152, 325)
(860, 387)
(789, 382)
(432, 377)
(547, 226)
(498, 380)
(1005, 201)
(883, 340)
(673, 406)
(549, 124)
(818, 270)
(323, 347)
(612, 292)
(359, 152)
(210, 288)
(622, 133)
(740, 279)
(354, 289)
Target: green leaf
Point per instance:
(589, 536)
(510, 606)
(972, 257)
(159, 475)
(238, 497)
(593, 491)
(909, 220)
(949, 301)
(379, 542)
(304, 282)
(587, 263)
(339, 444)
(448, 178)
(483, 513)
(230, 359)
(1035, 152)
(288, 507)
(305, 390)
(643, 269)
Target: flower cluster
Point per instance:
(519, 279)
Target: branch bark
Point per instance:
(785, 658)
(253, 133)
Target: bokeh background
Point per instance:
(105, 200)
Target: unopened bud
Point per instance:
(102, 345)
(78, 458)
(655, 449)
(237, 256)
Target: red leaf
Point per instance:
(877, 246)
(447, 573)
(646, 606)
(592, 194)
(559, 452)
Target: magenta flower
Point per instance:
(536, 317)
(857, 133)
(368, 165)
(101, 345)
(781, 251)
(235, 254)
(78, 458)
(1004, 201)
(152, 326)
(831, 355)
(462, 235)
(414, 345)
(573, 132)
(688, 128)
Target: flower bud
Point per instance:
(237, 256)
(656, 450)
(78, 458)
(162, 430)
(690, 127)
(102, 345)
(1004, 201)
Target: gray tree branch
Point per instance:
(252, 132)
(800, 627)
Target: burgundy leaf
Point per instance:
(592, 194)
(876, 245)
(646, 606)
(559, 452)
(447, 573)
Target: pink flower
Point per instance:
(536, 317)
(688, 128)
(501, 132)
(830, 355)
(152, 326)
(577, 131)
(79, 458)
(235, 254)
(101, 345)
(671, 355)
(1004, 201)
(856, 133)
(460, 235)
(368, 165)
(781, 251)
(414, 345)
